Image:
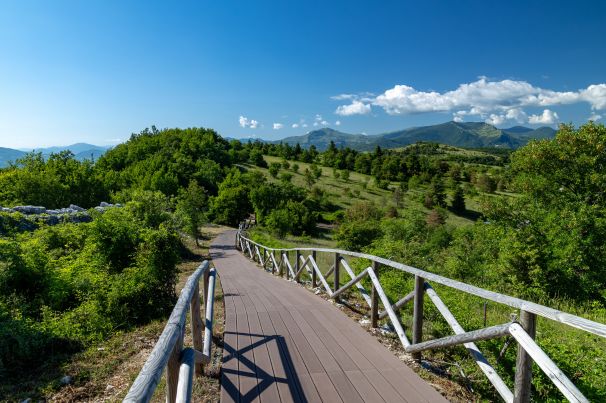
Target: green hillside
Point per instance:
(468, 134)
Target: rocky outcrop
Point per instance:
(30, 218)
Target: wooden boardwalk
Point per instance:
(282, 343)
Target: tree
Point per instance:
(486, 184)
(335, 173)
(436, 218)
(458, 200)
(295, 167)
(191, 206)
(435, 195)
(286, 177)
(274, 169)
(310, 178)
(256, 158)
(345, 175)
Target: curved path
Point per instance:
(283, 343)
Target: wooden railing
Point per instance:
(523, 330)
(169, 353)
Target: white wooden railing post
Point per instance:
(523, 376)
(314, 275)
(374, 298)
(335, 274)
(417, 327)
(297, 264)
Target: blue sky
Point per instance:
(96, 71)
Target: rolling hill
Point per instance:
(468, 134)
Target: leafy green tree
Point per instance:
(295, 167)
(345, 175)
(310, 178)
(256, 158)
(191, 207)
(232, 204)
(486, 184)
(274, 169)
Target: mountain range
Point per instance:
(458, 134)
(82, 151)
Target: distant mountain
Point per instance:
(82, 151)
(458, 134)
(8, 154)
(321, 139)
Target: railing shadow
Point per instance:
(264, 380)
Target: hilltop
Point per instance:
(458, 134)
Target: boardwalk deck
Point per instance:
(282, 343)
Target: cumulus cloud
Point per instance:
(595, 117)
(548, 117)
(494, 101)
(294, 125)
(245, 122)
(278, 126)
(355, 108)
(338, 123)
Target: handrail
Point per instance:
(578, 322)
(523, 332)
(169, 353)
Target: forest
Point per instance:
(529, 223)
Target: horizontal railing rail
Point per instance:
(169, 353)
(523, 330)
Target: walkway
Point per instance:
(283, 343)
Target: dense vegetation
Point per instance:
(530, 223)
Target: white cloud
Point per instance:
(595, 117)
(595, 95)
(338, 123)
(278, 126)
(548, 117)
(324, 123)
(294, 125)
(245, 122)
(516, 114)
(495, 119)
(343, 97)
(355, 108)
(494, 101)
(304, 125)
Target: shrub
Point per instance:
(355, 235)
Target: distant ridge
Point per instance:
(458, 134)
(82, 151)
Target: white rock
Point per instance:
(66, 380)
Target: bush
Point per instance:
(356, 235)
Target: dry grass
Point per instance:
(105, 372)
